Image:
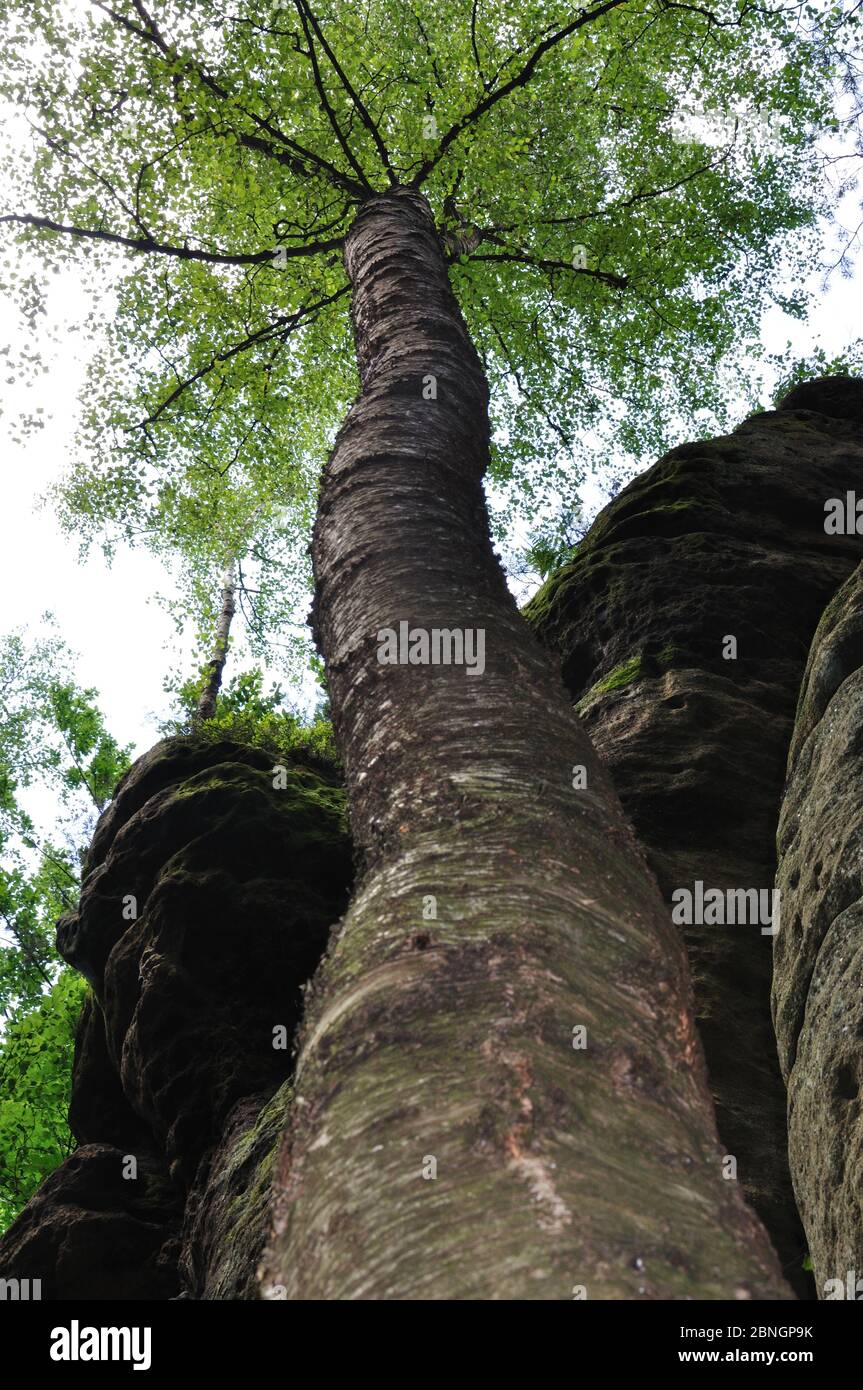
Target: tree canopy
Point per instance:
(622, 187)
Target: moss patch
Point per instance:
(624, 674)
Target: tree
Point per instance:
(53, 737)
(247, 713)
(437, 168)
(35, 1079)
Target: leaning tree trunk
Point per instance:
(500, 1092)
(206, 708)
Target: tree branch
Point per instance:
(618, 282)
(565, 439)
(298, 157)
(482, 76)
(325, 101)
(354, 96)
(283, 325)
(183, 253)
(26, 950)
(521, 78)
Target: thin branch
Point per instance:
(27, 951)
(183, 253)
(281, 326)
(362, 110)
(482, 76)
(325, 101)
(298, 157)
(61, 147)
(565, 439)
(618, 282)
(81, 773)
(521, 78)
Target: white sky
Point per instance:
(126, 642)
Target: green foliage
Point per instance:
(54, 743)
(31, 900)
(97, 760)
(246, 713)
(35, 1076)
(547, 555)
(613, 265)
(794, 370)
(52, 739)
(51, 729)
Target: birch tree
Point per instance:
(436, 245)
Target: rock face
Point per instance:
(723, 539)
(818, 954)
(91, 1233)
(206, 905)
(226, 1215)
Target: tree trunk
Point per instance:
(216, 665)
(500, 1092)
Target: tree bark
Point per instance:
(216, 665)
(452, 1138)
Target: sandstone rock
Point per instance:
(818, 971)
(207, 902)
(98, 1110)
(226, 1219)
(722, 538)
(91, 1233)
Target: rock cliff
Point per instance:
(818, 971)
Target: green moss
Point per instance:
(304, 789)
(241, 1188)
(624, 674)
(680, 506)
(537, 610)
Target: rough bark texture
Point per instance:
(723, 537)
(234, 883)
(451, 1039)
(818, 972)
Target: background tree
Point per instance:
(36, 1053)
(53, 744)
(54, 751)
(248, 712)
